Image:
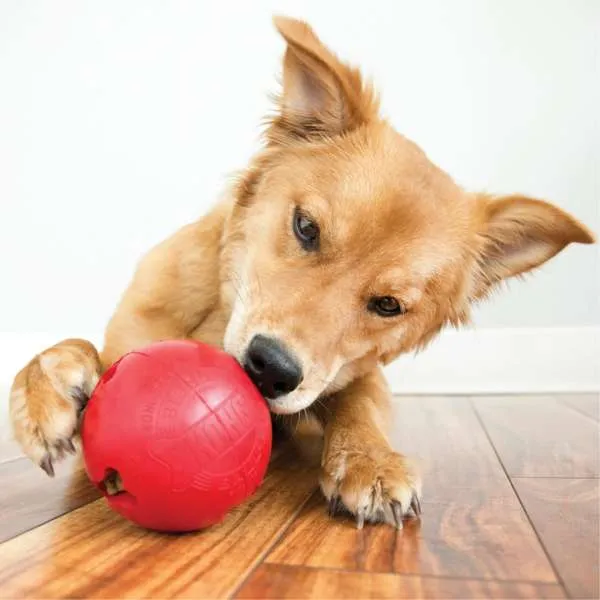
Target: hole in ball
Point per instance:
(113, 490)
(112, 484)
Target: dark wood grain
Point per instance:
(565, 513)
(474, 541)
(472, 526)
(280, 581)
(29, 497)
(93, 552)
(586, 404)
(537, 436)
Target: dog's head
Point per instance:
(349, 247)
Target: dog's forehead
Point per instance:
(379, 173)
(383, 184)
(380, 195)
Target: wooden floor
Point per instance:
(510, 511)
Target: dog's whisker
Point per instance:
(238, 287)
(258, 284)
(322, 404)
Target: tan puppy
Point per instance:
(341, 247)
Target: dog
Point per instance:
(339, 247)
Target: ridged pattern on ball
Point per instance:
(185, 428)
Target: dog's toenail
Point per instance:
(416, 506)
(80, 397)
(397, 512)
(46, 464)
(69, 446)
(333, 506)
(360, 519)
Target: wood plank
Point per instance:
(472, 526)
(280, 581)
(565, 513)
(93, 552)
(586, 404)
(537, 436)
(30, 498)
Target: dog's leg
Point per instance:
(360, 471)
(174, 289)
(47, 398)
(49, 394)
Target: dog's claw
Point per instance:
(46, 464)
(360, 518)
(69, 446)
(416, 506)
(80, 397)
(66, 445)
(397, 512)
(333, 506)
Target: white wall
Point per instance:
(119, 121)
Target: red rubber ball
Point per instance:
(186, 430)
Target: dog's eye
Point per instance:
(385, 306)
(306, 231)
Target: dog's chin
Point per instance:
(291, 403)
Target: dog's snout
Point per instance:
(272, 367)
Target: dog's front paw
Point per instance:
(47, 398)
(376, 485)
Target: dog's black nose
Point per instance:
(272, 368)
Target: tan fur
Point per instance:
(392, 223)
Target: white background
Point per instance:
(121, 121)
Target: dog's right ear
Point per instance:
(321, 95)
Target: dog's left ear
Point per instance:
(321, 95)
(519, 234)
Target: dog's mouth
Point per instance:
(291, 403)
